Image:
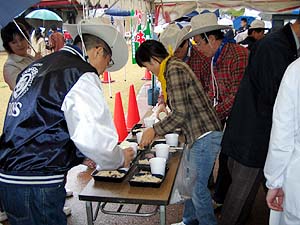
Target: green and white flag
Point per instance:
(140, 35)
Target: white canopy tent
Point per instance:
(261, 5)
(149, 5)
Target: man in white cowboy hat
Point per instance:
(219, 64)
(227, 61)
(57, 117)
(256, 32)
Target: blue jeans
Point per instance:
(34, 205)
(202, 155)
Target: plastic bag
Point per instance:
(184, 181)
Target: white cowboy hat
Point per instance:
(203, 23)
(258, 24)
(172, 36)
(107, 33)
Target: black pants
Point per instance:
(223, 180)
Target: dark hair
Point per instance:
(244, 19)
(38, 33)
(183, 43)
(9, 32)
(258, 30)
(53, 27)
(148, 50)
(219, 35)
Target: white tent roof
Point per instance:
(277, 6)
(261, 5)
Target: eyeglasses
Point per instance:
(111, 63)
(200, 38)
(198, 42)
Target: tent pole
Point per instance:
(24, 36)
(109, 85)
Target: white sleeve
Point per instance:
(284, 128)
(90, 124)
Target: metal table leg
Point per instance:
(89, 212)
(162, 214)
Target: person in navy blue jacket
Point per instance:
(56, 118)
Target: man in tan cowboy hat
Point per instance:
(256, 32)
(219, 64)
(57, 117)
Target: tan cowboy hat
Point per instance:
(203, 23)
(172, 36)
(258, 24)
(107, 33)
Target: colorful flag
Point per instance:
(139, 36)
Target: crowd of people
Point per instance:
(241, 81)
(233, 101)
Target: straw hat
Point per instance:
(258, 24)
(203, 23)
(107, 33)
(173, 36)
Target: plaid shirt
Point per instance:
(190, 108)
(228, 71)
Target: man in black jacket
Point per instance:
(246, 137)
(57, 117)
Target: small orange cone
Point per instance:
(119, 118)
(107, 78)
(147, 75)
(133, 115)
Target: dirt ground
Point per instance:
(79, 176)
(131, 74)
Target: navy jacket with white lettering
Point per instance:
(35, 139)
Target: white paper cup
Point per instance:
(134, 145)
(162, 151)
(139, 137)
(172, 139)
(162, 115)
(149, 121)
(158, 165)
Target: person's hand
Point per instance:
(89, 163)
(147, 138)
(128, 156)
(161, 108)
(275, 199)
(37, 56)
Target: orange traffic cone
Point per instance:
(147, 75)
(133, 116)
(119, 118)
(107, 78)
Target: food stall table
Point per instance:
(123, 193)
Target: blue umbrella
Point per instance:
(12, 8)
(117, 12)
(43, 18)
